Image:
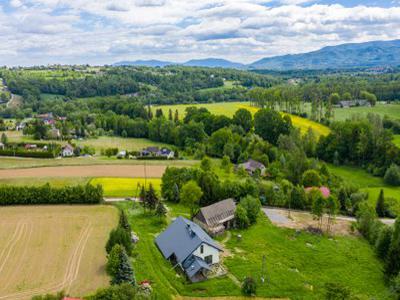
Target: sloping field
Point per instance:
(86, 171)
(46, 249)
(229, 108)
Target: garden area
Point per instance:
(298, 265)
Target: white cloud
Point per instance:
(104, 31)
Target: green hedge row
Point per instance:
(24, 195)
(23, 153)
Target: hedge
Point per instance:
(25, 195)
(23, 153)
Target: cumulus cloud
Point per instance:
(98, 32)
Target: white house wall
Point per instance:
(208, 250)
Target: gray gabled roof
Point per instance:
(193, 264)
(182, 238)
(218, 212)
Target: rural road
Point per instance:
(86, 171)
(276, 216)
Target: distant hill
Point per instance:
(370, 54)
(346, 56)
(207, 62)
(146, 63)
(213, 63)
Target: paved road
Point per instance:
(111, 200)
(276, 216)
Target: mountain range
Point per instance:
(345, 56)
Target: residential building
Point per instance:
(188, 246)
(67, 151)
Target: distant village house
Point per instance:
(251, 166)
(67, 151)
(156, 152)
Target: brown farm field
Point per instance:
(45, 249)
(86, 171)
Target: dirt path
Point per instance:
(86, 171)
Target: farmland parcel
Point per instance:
(45, 249)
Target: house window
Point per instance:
(208, 259)
(201, 249)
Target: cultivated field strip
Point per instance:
(86, 171)
(28, 266)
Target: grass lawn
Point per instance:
(396, 140)
(228, 84)
(391, 110)
(366, 182)
(298, 266)
(37, 181)
(125, 187)
(229, 108)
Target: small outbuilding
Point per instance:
(217, 217)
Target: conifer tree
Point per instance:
(393, 257)
(176, 118)
(124, 272)
(151, 198)
(380, 205)
(161, 211)
(170, 114)
(123, 221)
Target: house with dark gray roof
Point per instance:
(217, 217)
(251, 166)
(187, 245)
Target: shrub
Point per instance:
(311, 178)
(115, 292)
(114, 260)
(58, 296)
(392, 175)
(252, 206)
(383, 242)
(380, 205)
(249, 286)
(241, 219)
(119, 236)
(395, 287)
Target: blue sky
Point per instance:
(36, 32)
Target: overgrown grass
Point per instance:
(297, 265)
(125, 187)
